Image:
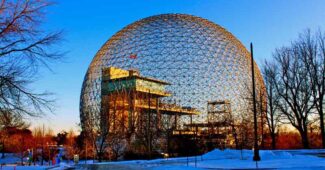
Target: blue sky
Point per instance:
(88, 24)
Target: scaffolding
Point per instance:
(216, 130)
(132, 105)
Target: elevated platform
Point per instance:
(130, 88)
(168, 109)
(218, 102)
(171, 109)
(117, 80)
(199, 134)
(210, 124)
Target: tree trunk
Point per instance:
(22, 151)
(235, 136)
(273, 141)
(100, 156)
(321, 117)
(3, 149)
(262, 135)
(304, 138)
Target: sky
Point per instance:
(87, 25)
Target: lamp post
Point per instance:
(256, 151)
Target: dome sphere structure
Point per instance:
(201, 61)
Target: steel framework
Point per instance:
(201, 61)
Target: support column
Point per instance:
(176, 121)
(131, 116)
(149, 126)
(158, 114)
(104, 112)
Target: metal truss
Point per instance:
(201, 60)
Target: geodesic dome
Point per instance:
(201, 60)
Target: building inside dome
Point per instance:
(168, 78)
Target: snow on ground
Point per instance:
(10, 161)
(236, 159)
(9, 158)
(23, 168)
(216, 159)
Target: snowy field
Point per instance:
(216, 159)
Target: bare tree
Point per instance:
(117, 146)
(293, 85)
(9, 120)
(313, 53)
(319, 78)
(97, 134)
(246, 117)
(24, 48)
(272, 114)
